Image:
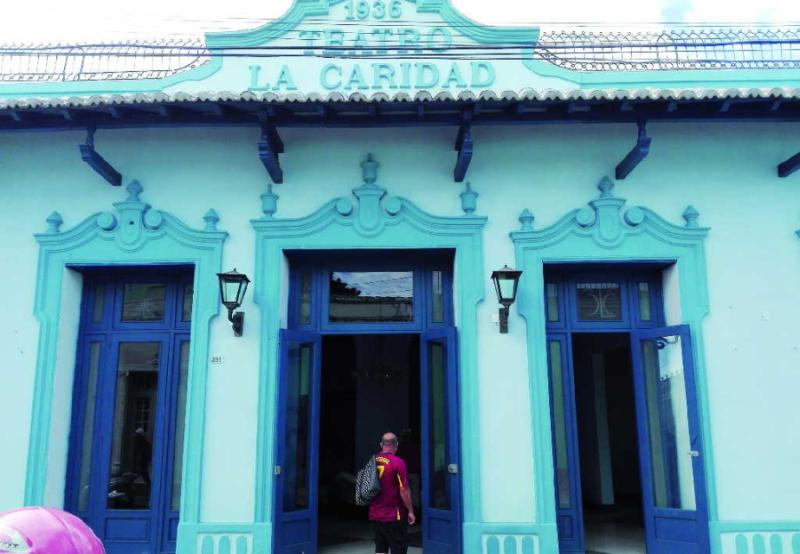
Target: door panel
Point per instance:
(297, 443)
(127, 428)
(441, 480)
(132, 443)
(569, 505)
(174, 472)
(670, 443)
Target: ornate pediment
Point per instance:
(608, 223)
(129, 226)
(368, 212)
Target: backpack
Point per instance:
(368, 486)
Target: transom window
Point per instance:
(346, 291)
(581, 298)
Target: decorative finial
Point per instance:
(606, 187)
(526, 219)
(269, 202)
(469, 199)
(690, 214)
(134, 189)
(54, 221)
(211, 218)
(369, 169)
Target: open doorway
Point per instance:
(370, 385)
(611, 488)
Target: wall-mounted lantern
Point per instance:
(505, 284)
(232, 287)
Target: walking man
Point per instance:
(392, 508)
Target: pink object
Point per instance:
(37, 530)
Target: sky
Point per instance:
(53, 21)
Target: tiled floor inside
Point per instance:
(607, 532)
(618, 530)
(355, 537)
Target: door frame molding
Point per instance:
(369, 219)
(133, 235)
(606, 232)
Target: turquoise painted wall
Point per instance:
(727, 171)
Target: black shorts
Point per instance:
(390, 534)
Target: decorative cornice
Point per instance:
(132, 224)
(368, 211)
(606, 221)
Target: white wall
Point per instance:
(727, 171)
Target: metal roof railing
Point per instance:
(695, 49)
(99, 62)
(701, 49)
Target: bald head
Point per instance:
(389, 443)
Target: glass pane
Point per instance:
(552, 302)
(180, 416)
(438, 297)
(99, 304)
(372, 296)
(188, 295)
(232, 290)
(143, 302)
(305, 298)
(644, 302)
(439, 484)
(134, 418)
(506, 287)
(559, 422)
(88, 423)
(298, 427)
(599, 302)
(668, 421)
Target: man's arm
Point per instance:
(405, 495)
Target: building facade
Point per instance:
(368, 166)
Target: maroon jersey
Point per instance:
(388, 506)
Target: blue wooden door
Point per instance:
(441, 480)
(297, 443)
(564, 427)
(126, 444)
(670, 442)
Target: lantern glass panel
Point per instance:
(230, 291)
(507, 285)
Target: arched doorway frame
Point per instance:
(370, 219)
(606, 232)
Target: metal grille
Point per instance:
(99, 62)
(703, 49)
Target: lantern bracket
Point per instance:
(98, 162)
(237, 321)
(270, 146)
(637, 154)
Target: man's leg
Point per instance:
(398, 537)
(379, 532)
